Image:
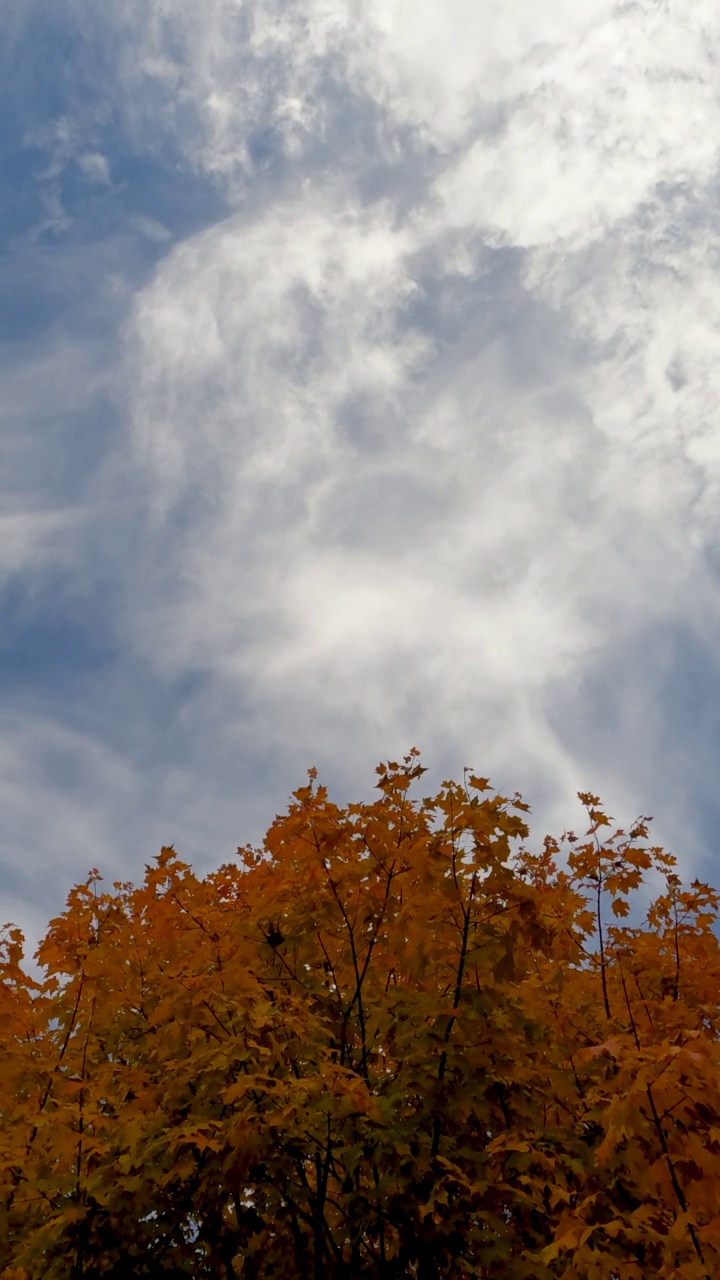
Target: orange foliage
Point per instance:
(391, 1043)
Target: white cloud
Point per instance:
(408, 482)
(94, 167)
(355, 536)
(29, 538)
(597, 122)
(426, 426)
(235, 65)
(438, 69)
(277, 324)
(151, 229)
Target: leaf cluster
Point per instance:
(390, 1043)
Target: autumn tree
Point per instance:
(393, 1042)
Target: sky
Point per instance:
(359, 372)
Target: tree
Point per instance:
(391, 1043)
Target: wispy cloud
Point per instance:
(415, 434)
(435, 407)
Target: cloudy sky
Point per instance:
(359, 379)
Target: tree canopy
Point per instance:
(393, 1042)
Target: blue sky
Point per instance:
(360, 371)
